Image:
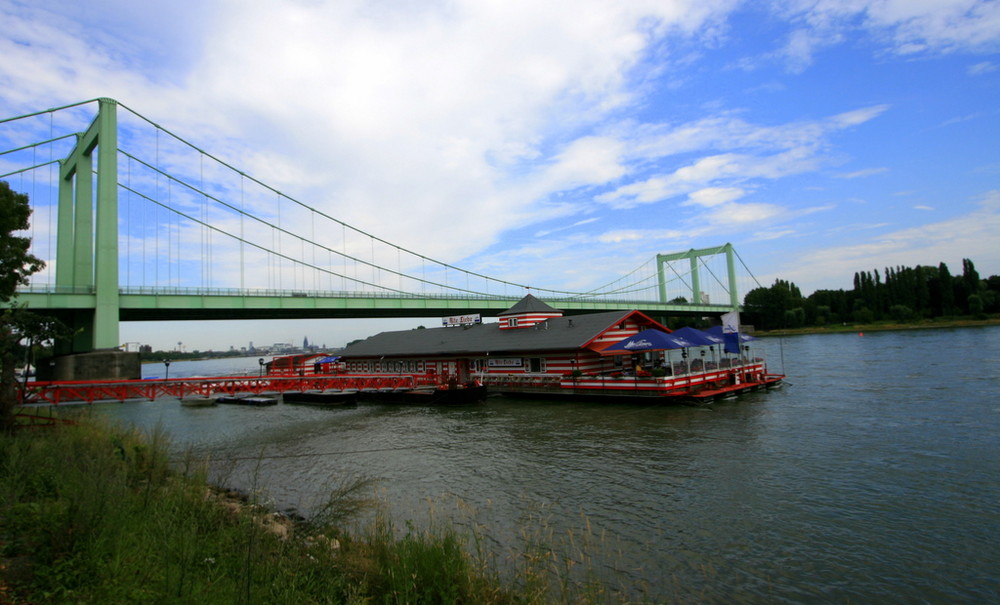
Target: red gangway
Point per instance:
(56, 393)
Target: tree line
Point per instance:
(900, 294)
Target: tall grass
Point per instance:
(95, 513)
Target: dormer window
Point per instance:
(528, 312)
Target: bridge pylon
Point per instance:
(87, 253)
(695, 274)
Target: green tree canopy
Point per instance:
(17, 325)
(16, 263)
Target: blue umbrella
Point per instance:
(648, 340)
(699, 338)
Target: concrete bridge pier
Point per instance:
(100, 364)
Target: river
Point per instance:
(873, 475)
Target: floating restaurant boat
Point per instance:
(536, 351)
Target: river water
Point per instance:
(873, 475)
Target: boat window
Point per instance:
(536, 364)
(512, 322)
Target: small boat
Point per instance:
(329, 398)
(254, 400)
(197, 401)
(441, 395)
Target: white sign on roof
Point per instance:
(461, 320)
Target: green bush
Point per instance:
(97, 514)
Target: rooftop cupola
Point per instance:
(526, 313)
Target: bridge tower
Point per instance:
(87, 254)
(693, 256)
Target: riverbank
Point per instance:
(91, 513)
(883, 326)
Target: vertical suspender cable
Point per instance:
(34, 199)
(204, 219)
(343, 240)
(170, 232)
(277, 258)
(156, 223)
(52, 228)
(242, 236)
(312, 237)
(128, 224)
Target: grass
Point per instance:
(885, 325)
(94, 513)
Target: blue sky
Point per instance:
(564, 143)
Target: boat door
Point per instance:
(464, 373)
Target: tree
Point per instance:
(767, 307)
(16, 264)
(17, 325)
(947, 290)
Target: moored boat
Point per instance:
(535, 351)
(198, 402)
(441, 395)
(328, 398)
(249, 399)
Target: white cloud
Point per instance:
(752, 152)
(971, 235)
(982, 68)
(910, 26)
(740, 215)
(863, 173)
(624, 236)
(773, 235)
(713, 196)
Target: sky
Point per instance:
(564, 143)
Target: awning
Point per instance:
(648, 340)
(699, 338)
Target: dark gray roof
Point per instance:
(558, 333)
(530, 304)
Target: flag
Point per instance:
(731, 332)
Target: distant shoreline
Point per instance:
(883, 327)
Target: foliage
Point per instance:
(94, 513)
(17, 325)
(899, 293)
(16, 263)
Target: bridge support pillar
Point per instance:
(101, 364)
(693, 257)
(87, 249)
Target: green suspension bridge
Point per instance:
(137, 224)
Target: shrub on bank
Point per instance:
(96, 514)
